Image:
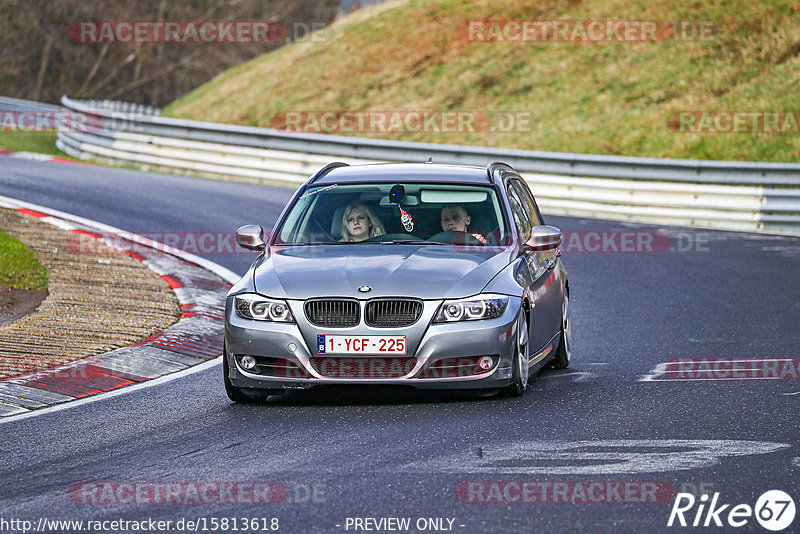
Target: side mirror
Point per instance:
(543, 237)
(251, 237)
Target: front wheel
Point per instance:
(520, 367)
(564, 352)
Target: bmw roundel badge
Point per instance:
(364, 289)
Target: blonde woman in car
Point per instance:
(359, 223)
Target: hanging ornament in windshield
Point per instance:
(405, 218)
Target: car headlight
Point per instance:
(252, 306)
(471, 309)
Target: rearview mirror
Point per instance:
(543, 237)
(251, 237)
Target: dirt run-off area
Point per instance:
(16, 303)
(96, 301)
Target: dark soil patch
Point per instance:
(16, 303)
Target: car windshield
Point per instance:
(395, 213)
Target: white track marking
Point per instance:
(659, 373)
(113, 393)
(34, 156)
(658, 370)
(578, 376)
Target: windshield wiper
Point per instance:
(308, 243)
(391, 242)
(411, 242)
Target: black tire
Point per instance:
(237, 394)
(564, 352)
(519, 376)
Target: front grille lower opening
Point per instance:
(359, 367)
(280, 368)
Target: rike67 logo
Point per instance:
(774, 510)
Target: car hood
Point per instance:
(423, 271)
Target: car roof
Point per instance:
(404, 172)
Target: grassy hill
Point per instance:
(602, 98)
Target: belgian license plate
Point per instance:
(336, 344)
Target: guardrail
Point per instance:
(719, 194)
(15, 104)
(120, 107)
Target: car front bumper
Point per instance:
(439, 345)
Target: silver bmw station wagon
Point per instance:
(426, 275)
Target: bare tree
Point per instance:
(40, 62)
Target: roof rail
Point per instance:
(495, 165)
(326, 169)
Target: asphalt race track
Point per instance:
(619, 414)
